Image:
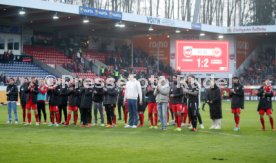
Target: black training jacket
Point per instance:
(237, 99)
(13, 95)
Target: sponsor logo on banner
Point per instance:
(100, 13)
(246, 29)
(160, 21)
(196, 26)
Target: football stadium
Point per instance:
(137, 81)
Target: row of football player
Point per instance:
(157, 96)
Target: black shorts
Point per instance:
(142, 108)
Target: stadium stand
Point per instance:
(85, 75)
(94, 55)
(52, 56)
(48, 55)
(261, 67)
(22, 69)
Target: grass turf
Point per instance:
(73, 144)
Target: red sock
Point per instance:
(125, 116)
(185, 117)
(143, 117)
(114, 121)
(68, 119)
(57, 117)
(140, 119)
(179, 120)
(75, 117)
(237, 120)
(155, 119)
(262, 122)
(271, 122)
(29, 117)
(36, 117)
(53, 117)
(182, 118)
(175, 119)
(151, 119)
(24, 114)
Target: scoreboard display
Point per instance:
(202, 56)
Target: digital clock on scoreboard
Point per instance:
(202, 56)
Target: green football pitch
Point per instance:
(20, 143)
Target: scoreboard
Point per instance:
(202, 56)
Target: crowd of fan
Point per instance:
(7, 57)
(123, 62)
(261, 67)
(79, 63)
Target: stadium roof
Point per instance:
(42, 20)
(71, 21)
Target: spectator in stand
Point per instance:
(11, 57)
(102, 71)
(5, 57)
(1, 58)
(91, 64)
(78, 55)
(263, 66)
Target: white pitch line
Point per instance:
(220, 133)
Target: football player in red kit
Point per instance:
(237, 101)
(265, 103)
(176, 94)
(185, 112)
(31, 98)
(53, 102)
(23, 96)
(152, 106)
(110, 99)
(72, 103)
(183, 81)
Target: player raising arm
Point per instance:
(265, 103)
(237, 101)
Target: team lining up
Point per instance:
(161, 97)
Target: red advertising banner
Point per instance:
(248, 92)
(151, 46)
(244, 47)
(202, 56)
